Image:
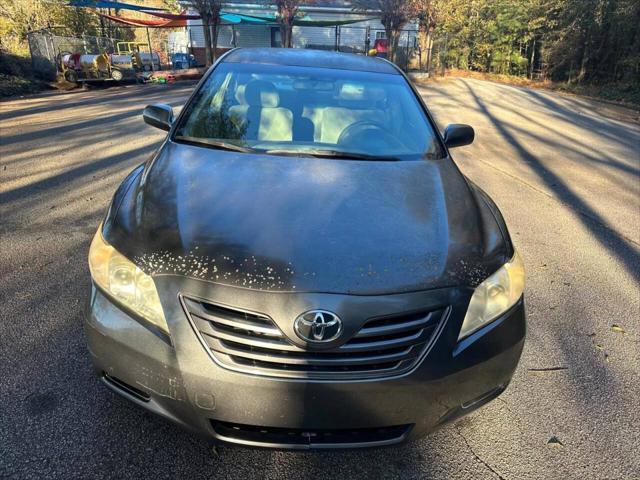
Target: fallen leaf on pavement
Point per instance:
(617, 328)
(555, 442)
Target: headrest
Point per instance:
(259, 93)
(240, 94)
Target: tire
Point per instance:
(71, 76)
(146, 67)
(117, 75)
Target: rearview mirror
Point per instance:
(159, 115)
(458, 135)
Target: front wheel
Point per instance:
(71, 76)
(117, 75)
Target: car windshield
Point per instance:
(302, 111)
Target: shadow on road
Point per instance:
(600, 228)
(83, 99)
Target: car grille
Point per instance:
(309, 438)
(252, 343)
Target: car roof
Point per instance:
(301, 57)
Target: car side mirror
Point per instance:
(458, 135)
(159, 115)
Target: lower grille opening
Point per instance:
(284, 437)
(125, 387)
(314, 368)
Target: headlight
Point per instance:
(494, 296)
(125, 283)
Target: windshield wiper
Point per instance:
(219, 144)
(331, 154)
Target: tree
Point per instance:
(594, 41)
(17, 17)
(209, 11)
(394, 15)
(287, 12)
(492, 36)
(426, 14)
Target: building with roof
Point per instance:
(324, 24)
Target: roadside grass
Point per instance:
(16, 75)
(13, 85)
(623, 93)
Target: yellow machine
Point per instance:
(143, 58)
(78, 68)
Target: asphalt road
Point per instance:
(565, 173)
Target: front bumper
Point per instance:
(177, 379)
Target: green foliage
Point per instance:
(594, 41)
(18, 17)
(11, 85)
(625, 92)
(16, 65)
(489, 35)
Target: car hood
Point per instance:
(305, 224)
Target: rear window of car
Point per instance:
(297, 110)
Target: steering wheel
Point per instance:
(368, 134)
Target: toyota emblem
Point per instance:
(318, 326)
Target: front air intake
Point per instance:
(309, 437)
(252, 343)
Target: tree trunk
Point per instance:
(214, 41)
(583, 62)
(532, 58)
(392, 42)
(423, 41)
(208, 58)
(286, 33)
(429, 50)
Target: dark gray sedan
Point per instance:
(302, 265)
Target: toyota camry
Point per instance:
(301, 264)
